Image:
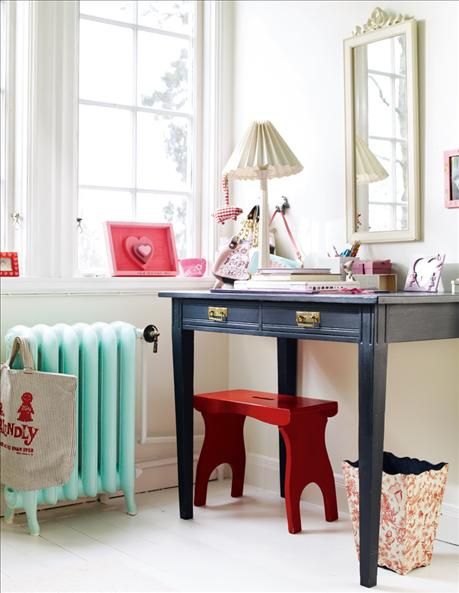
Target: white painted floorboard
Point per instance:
(231, 545)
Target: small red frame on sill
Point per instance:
(9, 265)
(141, 249)
(452, 178)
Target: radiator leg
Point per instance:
(129, 499)
(9, 514)
(30, 507)
(103, 498)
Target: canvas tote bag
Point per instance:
(37, 424)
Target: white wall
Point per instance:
(288, 67)
(211, 367)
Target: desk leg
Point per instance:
(183, 349)
(372, 395)
(287, 356)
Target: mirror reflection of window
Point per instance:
(382, 122)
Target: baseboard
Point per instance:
(151, 475)
(263, 472)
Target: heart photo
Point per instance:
(141, 249)
(424, 274)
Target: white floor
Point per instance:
(231, 545)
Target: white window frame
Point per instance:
(15, 29)
(51, 198)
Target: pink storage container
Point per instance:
(357, 266)
(377, 266)
(193, 266)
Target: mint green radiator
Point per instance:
(102, 356)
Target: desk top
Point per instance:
(392, 298)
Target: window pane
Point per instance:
(163, 72)
(401, 172)
(399, 54)
(401, 109)
(170, 15)
(380, 105)
(106, 62)
(162, 152)
(166, 208)
(379, 55)
(105, 146)
(95, 207)
(402, 217)
(382, 217)
(113, 9)
(381, 191)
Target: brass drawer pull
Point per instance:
(217, 313)
(308, 318)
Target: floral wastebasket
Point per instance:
(411, 496)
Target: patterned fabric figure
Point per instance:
(228, 212)
(26, 410)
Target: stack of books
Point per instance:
(295, 279)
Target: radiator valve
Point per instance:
(151, 335)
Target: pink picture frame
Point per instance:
(141, 249)
(451, 170)
(424, 274)
(9, 265)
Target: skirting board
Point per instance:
(154, 474)
(263, 472)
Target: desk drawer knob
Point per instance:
(308, 318)
(217, 313)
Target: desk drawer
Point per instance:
(307, 319)
(222, 314)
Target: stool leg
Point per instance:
(293, 485)
(223, 443)
(307, 461)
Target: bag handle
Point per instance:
(21, 345)
(289, 232)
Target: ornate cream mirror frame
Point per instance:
(381, 90)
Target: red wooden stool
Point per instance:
(302, 423)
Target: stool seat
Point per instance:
(271, 408)
(301, 421)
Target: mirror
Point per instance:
(382, 164)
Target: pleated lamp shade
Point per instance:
(262, 149)
(367, 167)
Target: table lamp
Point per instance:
(367, 167)
(262, 154)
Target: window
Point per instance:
(3, 125)
(137, 121)
(133, 132)
(14, 122)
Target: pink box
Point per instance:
(377, 266)
(357, 266)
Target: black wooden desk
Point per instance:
(372, 321)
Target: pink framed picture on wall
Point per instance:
(141, 249)
(451, 164)
(9, 263)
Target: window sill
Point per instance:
(102, 286)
